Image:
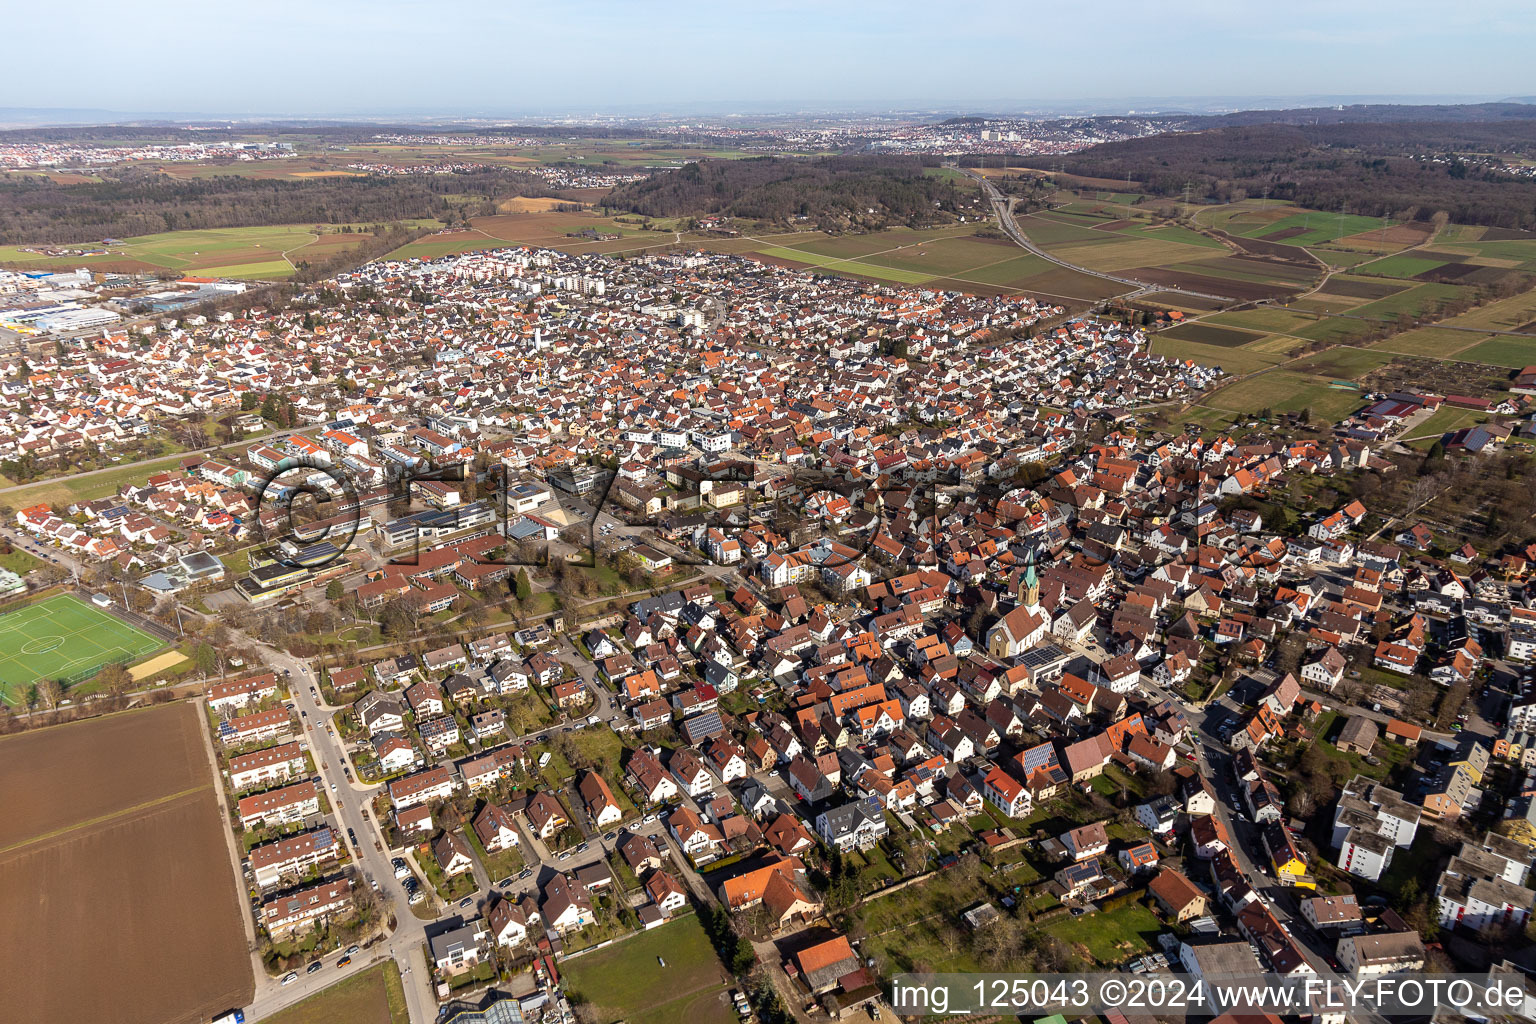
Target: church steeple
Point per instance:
(1029, 585)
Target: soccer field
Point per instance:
(63, 638)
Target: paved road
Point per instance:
(347, 802)
(1002, 207)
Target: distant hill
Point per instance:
(1372, 113)
(833, 193)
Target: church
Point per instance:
(1023, 627)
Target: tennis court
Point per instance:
(63, 638)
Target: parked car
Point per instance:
(314, 965)
(290, 977)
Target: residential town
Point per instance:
(707, 589)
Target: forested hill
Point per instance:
(142, 202)
(834, 193)
(1404, 170)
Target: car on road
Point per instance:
(466, 901)
(525, 872)
(343, 961)
(610, 836)
(290, 977)
(314, 965)
(581, 847)
(650, 817)
(351, 950)
(333, 787)
(506, 881)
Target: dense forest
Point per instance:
(141, 202)
(832, 193)
(1404, 170)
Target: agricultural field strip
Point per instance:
(100, 819)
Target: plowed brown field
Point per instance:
(116, 890)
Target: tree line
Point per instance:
(143, 202)
(1377, 170)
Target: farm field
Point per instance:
(1211, 334)
(1516, 313)
(1243, 359)
(253, 252)
(859, 269)
(625, 982)
(1516, 353)
(1280, 321)
(1286, 391)
(546, 230)
(125, 871)
(373, 996)
(63, 638)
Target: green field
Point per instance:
(1516, 353)
(1283, 321)
(92, 485)
(626, 981)
(846, 266)
(373, 996)
(1242, 359)
(252, 252)
(1318, 227)
(1401, 265)
(66, 639)
(1285, 391)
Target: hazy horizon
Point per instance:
(465, 58)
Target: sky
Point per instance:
(506, 57)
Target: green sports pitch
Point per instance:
(66, 639)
